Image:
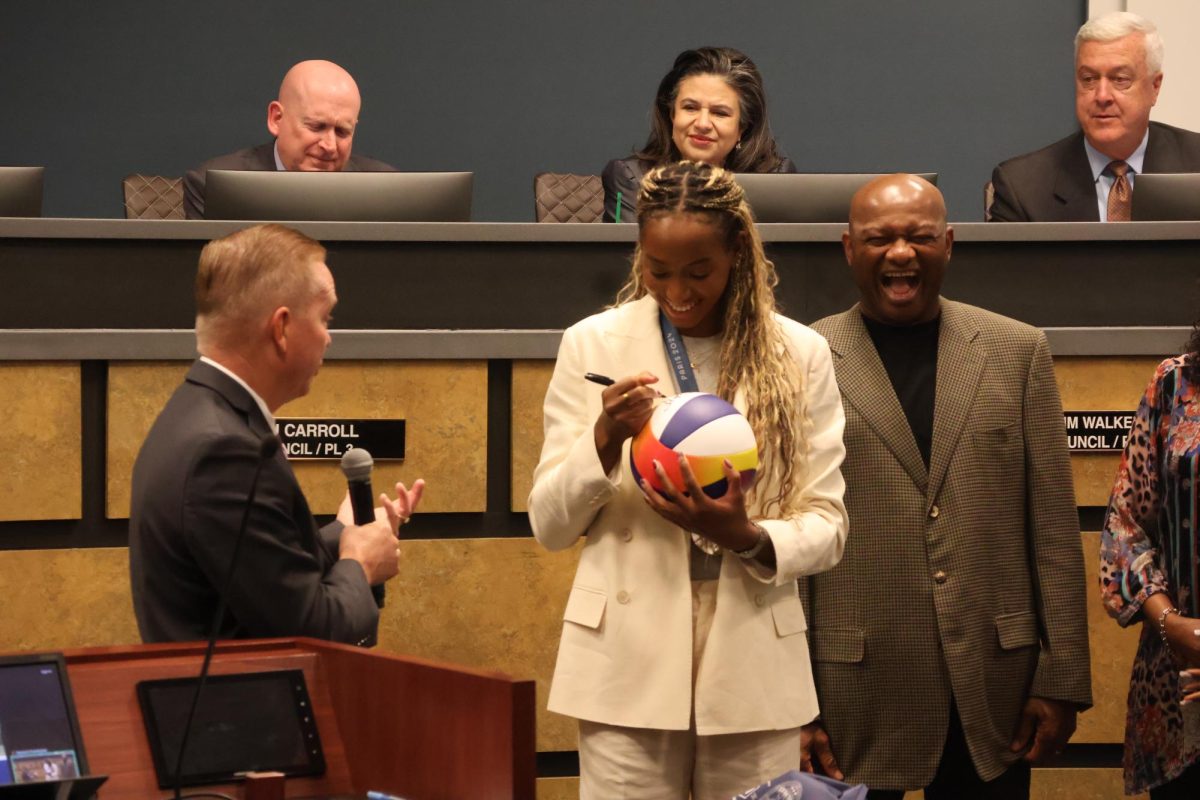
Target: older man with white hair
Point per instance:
(1089, 176)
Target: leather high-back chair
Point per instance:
(563, 197)
(152, 197)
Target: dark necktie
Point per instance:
(1119, 195)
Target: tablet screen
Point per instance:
(258, 721)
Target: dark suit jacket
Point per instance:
(625, 175)
(253, 159)
(962, 580)
(190, 484)
(1055, 184)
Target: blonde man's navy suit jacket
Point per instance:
(966, 578)
(190, 485)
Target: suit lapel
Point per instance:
(631, 337)
(960, 364)
(238, 398)
(1074, 186)
(866, 386)
(234, 393)
(1162, 154)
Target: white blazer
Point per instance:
(625, 657)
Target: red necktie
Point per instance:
(1119, 195)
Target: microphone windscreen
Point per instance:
(357, 464)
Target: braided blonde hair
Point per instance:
(754, 355)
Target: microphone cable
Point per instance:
(267, 448)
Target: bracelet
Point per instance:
(1162, 624)
(757, 547)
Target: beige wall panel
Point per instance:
(43, 429)
(529, 382)
(137, 393)
(1112, 650)
(1093, 474)
(558, 789)
(1112, 383)
(55, 599)
(1100, 383)
(445, 404)
(493, 603)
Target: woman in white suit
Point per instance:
(684, 656)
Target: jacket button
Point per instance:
(759, 600)
(623, 597)
(933, 512)
(939, 576)
(627, 535)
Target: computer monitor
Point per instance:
(338, 196)
(810, 197)
(21, 191)
(1166, 197)
(39, 732)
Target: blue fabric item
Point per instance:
(681, 368)
(795, 785)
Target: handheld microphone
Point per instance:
(267, 447)
(356, 466)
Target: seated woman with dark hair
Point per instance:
(711, 108)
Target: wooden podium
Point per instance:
(406, 726)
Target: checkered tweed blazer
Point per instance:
(965, 580)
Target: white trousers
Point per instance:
(618, 763)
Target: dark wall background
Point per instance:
(94, 91)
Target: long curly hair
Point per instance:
(757, 151)
(754, 354)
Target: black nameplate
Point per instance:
(1097, 431)
(308, 438)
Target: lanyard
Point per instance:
(681, 368)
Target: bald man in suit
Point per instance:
(950, 644)
(313, 121)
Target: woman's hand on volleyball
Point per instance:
(723, 521)
(628, 404)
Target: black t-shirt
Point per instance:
(909, 354)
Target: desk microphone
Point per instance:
(267, 447)
(356, 466)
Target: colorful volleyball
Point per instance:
(705, 429)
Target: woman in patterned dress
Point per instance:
(1149, 572)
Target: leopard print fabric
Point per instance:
(1149, 545)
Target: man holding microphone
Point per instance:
(264, 298)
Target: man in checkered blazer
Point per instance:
(949, 646)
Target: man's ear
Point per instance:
(846, 248)
(280, 320)
(949, 241)
(274, 115)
